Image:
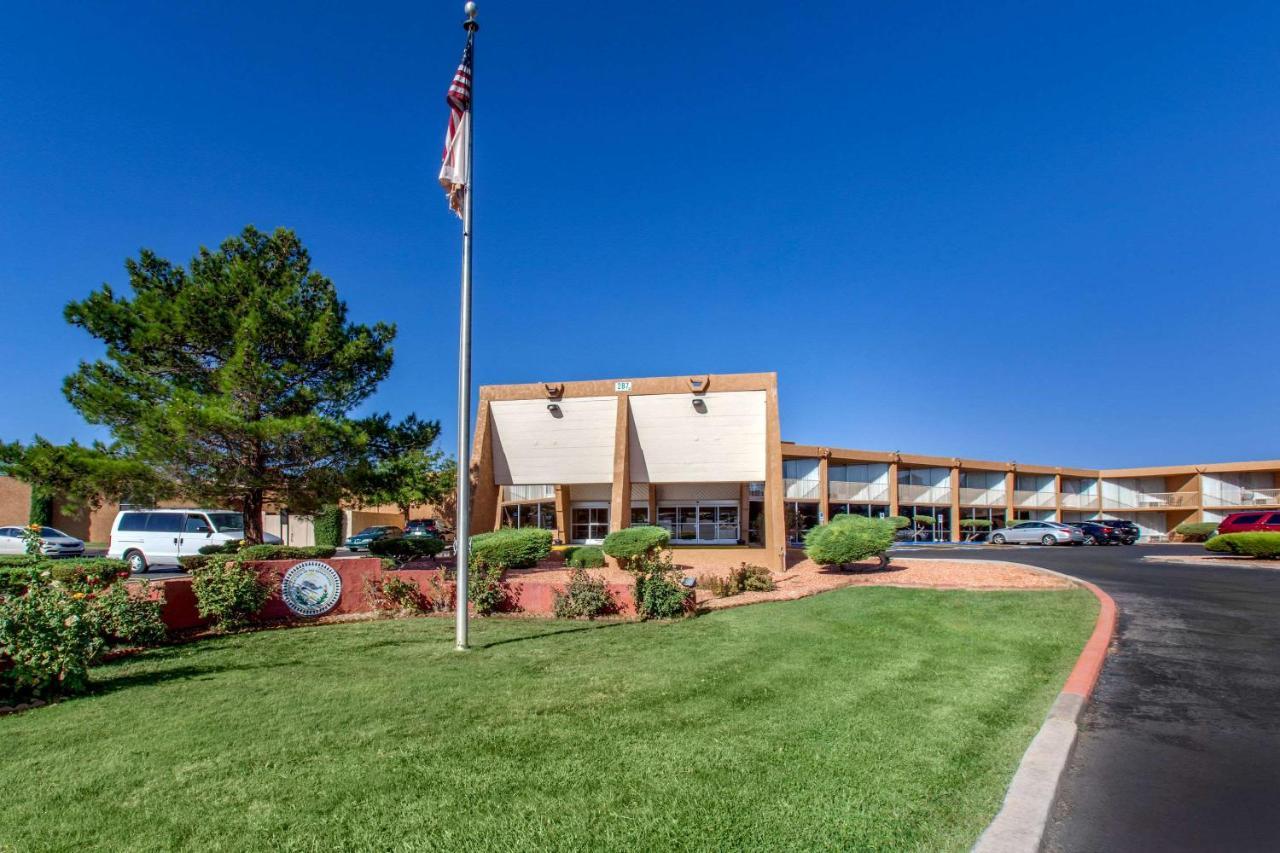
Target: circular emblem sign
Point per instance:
(311, 588)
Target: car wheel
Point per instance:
(998, 539)
(1089, 540)
(1048, 539)
(137, 562)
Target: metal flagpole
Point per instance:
(462, 531)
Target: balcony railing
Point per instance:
(981, 497)
(1074, 500)
(870, 493)
(802, 489)
(755, 490)
(1151, 500)
(911, 494)
(1040, 498)
(528, 493)
(1245, 497)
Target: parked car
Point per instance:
(1099, 532)
(1129, 531)
(1043, 532)
(1249, 522)
(53, 542)
(423, 527)
(372, 534)
(158, 537)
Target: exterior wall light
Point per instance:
(700, 405)
(554, 409)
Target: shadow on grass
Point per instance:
(172, 673)
(596, 626)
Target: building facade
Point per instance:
(703, 456)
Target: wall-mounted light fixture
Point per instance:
(700, 405)
(554, 409)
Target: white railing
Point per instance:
(911, 494)
(1245, 497)
(528, 493)
(802, 489)
(1151, 500)
(1025, 498)
(981, 497)
(861, 492)
(1074, 500)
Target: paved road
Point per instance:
(1180, 748)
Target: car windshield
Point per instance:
(51, 532)
(227, 522)
(369, 531)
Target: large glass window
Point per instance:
(530, 515)
(700, 522)
(639, 515)
(590, 523)
(801, 517)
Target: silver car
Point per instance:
(53, 542)
(1041, 532)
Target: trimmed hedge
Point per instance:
(925, 519)
(1196, 531)
(1260, 544)
(283, 552)
(976, 523)
(327, 525)
(407, 549)
(632, 544)
(898, 521)
(848, 539)
(87, 572)
(584, 557)
(520, 548)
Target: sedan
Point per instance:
(53, 542)
(372, 534)
(1042, 532)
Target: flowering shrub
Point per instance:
(48, 636)
(486, 589)
(659, 594)
(745, 578)
(31, 540)
(130, 614)
(87, 574)
(391, 594)
(586, 596)
(228, 593)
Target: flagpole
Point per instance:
(462, 532)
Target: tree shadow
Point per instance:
(177, 673)
(597, 626)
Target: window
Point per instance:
(8, 532)
(197, 524)
(227, 522)
(639, 515)
(1274, 519)
(1246, 519)
(590, 523)
(164, 522)
(132, 522)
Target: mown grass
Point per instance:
(885, 719)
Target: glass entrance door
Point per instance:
(590, 524)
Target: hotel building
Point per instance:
(703, 456)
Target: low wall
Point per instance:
(525, 596)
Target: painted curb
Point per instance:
(1020, 824)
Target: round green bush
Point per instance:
(976, 523)
(228, 593)
(584, 557)
(848, 540)
(511, 548)
(898, 521)
(1261, 544)
(407, 550)
(1196, 531)
(327, 525)
(633, 544)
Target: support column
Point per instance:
(620, 499)
(824, 488)
(653, 503)
(562, 514)
(1057, 497)
(1010, 503)
(484, 490)
(955, 503)
(893, 489)
(744, 513)
(775, 519)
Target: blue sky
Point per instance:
(1041, 234)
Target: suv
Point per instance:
(1098, 532)
(1250, 522)
(423, 527)
(147, 537)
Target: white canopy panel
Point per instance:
(722, 440)
(573, 444)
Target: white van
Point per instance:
(158, 537)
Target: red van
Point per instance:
(1248, 522)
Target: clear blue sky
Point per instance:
(1047, 235)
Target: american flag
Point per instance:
(455, 171)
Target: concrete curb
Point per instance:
(1020, 824)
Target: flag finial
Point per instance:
(470, 10)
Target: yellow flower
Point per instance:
(77, 595)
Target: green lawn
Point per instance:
(885, 719)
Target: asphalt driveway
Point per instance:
(1179, 749)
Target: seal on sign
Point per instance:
(311, 588)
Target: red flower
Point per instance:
(122, 574)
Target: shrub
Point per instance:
(327, 525)
(128, 613)
(41, 508)
(1259, 544)
(228, 593)
(584, 557)
(48, 636)
(745, 578)
(975, 523)
(14, 580)
(849, 540)
(925, 520)
(586, 596)
(21, 561)
(511, 549)
(1196, 531)
(252, 553)
(486, 589)
(659, 594)
(194, 562)
(633, 546)
(407, 550)
(898, 521)
(222, 547)
(88, 574)
(390, 593)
